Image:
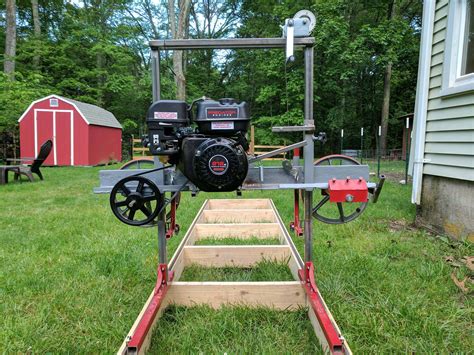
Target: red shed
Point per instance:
(82, 134)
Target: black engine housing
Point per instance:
(213, 164)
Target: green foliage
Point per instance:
(16, 96)
(96, 51)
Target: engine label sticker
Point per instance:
(218, 112)
(222, 125)
(165, 115)
(218, 164)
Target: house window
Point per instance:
(53, 103)
(468, 48)
(458, 65)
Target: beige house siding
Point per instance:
(449, 145)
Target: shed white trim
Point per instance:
(47, 98)
(91, 114)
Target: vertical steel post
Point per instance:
(308, 154)
(308, 150)
(361, 145)
(155, 74)
(155, 80)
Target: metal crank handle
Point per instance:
(321, 137)
(378, 189)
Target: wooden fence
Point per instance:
(262, 149)
(138, 151)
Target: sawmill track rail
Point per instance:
(243, 219)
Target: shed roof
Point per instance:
(94, 114)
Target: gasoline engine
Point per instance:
(208, 146)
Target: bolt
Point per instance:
(349, 198)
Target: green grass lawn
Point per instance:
(73, 278)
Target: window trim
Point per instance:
(55, 101)
(453, 82)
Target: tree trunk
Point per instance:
(178, 31)
(147, 6)
(386, 90)
(10, 40)
(37, 31)
(172, 18)
(385, 106)
(101, 79)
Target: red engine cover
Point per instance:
(348, 190)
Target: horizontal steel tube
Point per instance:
(283, 129)
(231, 43)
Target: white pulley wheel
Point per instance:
(308, 15)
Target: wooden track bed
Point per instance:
(243, 219)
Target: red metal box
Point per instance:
(348, 190)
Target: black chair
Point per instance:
(37, 162)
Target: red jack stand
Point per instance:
(295, 225)
(173, 227)
(332, 336)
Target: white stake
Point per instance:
(408, 122)
(342, 133)
(362, 131)
(380, 131)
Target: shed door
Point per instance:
(44, 130)
(64, 143)
(56, 125)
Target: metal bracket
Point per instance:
(290, 36)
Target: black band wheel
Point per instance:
(135, 200)
(327, 212)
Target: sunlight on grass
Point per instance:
(265, 270)
(235, 329)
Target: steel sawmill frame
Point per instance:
(302, 178)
